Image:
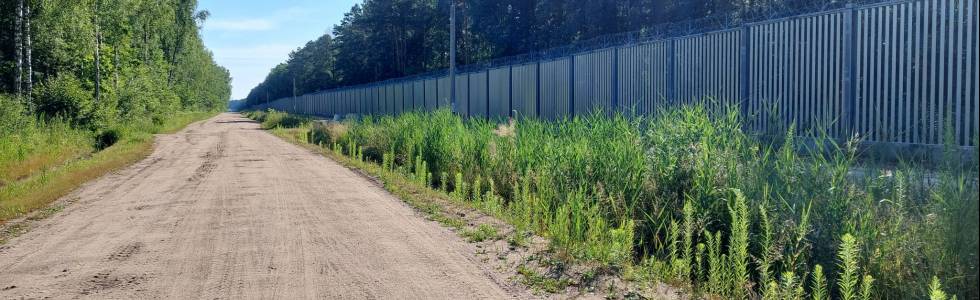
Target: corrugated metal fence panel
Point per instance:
(593, 81)
(524, 89)
(462, 94)
(389, 98)
(369, 103)
(796, 74)
(335, 103)
(371, 94)
(347, 97)
(354, 101)
(316, 102)
(367, 100)
(912, 65)
(364, 100)
(350, 102)
(322, 102)
(418, 94)
(478, 105)
(642, 81)
(914, 72)
(444, 99)
(555, 88)
(707, 68)
(499, 87)
(407, 94)
(330, 107)
(431, 93)
(341, 102)
(379, 107)
(382, 108)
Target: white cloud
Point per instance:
(240, 25)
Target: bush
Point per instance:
(327, 133)
(12, 117)
(274, 119)
(65, 97)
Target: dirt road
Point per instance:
(225, 210)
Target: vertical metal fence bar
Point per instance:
(850, 81)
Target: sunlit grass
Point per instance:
(41, 184)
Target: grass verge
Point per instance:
(34, 192)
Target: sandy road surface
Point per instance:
(224, 210)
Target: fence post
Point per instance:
(671, 61)
(850, 83)
(743, 71)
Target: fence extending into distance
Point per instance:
(899, 72)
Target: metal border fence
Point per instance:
(897, 72)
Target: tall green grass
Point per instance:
(689, 198)
(42, 159)
(29, 145)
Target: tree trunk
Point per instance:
(29, 84)
(19, 47)
(98, 44)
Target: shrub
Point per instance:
(64, 96)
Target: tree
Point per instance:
(19, 46)
(29, 83)
(156, 63)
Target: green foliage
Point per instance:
(848, 281)
(936, 290)
(481, 233)
(277, 119)
(687, 197)
(818, 284)
(738, 247)
(102, 71)
(65, 97)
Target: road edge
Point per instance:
(54, 187)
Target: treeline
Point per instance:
(381, 39)
(95, 63)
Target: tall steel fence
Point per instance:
(898, 72)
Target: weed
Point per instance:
(537, 281)
(483, 232)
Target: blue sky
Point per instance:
(249, 37)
